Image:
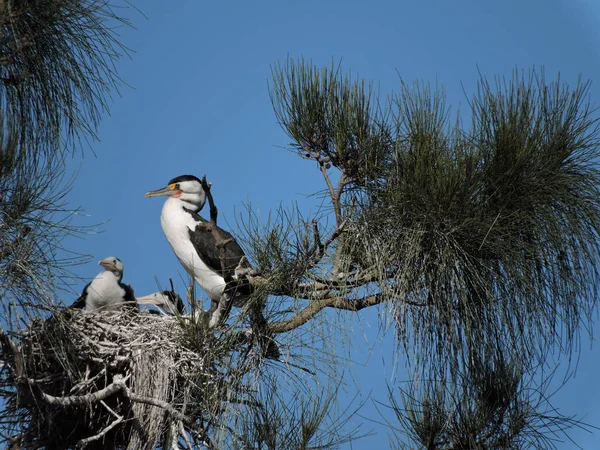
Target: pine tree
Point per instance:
(476, 236)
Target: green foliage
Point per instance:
(481, 239)
(56, 72)
(494, 229)
(34, 219)
(57, 68)
(330, 117)
(284, 247)
(495, 406)
(294, 419)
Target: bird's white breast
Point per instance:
(176, 224)
(104, 293)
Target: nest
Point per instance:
(120, 380)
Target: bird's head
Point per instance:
(187, 188)
(114, 265)
(168, 300)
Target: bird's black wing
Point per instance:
(129, 298)
(206, 246)
(175, 300)
(80, 302)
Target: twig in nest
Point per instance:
(116, 386)
(118, 419)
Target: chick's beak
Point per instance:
(107, 264)
(149, 300)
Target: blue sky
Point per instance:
(198, 102)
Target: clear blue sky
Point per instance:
(198, 103)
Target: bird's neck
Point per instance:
(178, 203)
(175, 220)
(108, 277)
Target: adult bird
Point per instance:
(197, 244)
(106, 292)
(207, 252)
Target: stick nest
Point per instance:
(99, 380)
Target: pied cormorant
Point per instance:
(106, 292)
(192, 240)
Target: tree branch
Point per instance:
(116, 386)
(336, 233)
(118, 419)
(342, 183)
(319, 247)
(214, 212)
(316, 306)
(334, 196)
(359, 278)
(222, 311)
(15, 441)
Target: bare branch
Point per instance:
(335, 302)
(320, 248)
(214, 212)
(344, 280)
(116, 386)
(172, 411)
(221, 313)
(336, 233)
(334, 196)
(15, 441)
(316, 306)
(83, 442)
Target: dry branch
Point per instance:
(303, 316)
(77, 400)
(214, 212)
